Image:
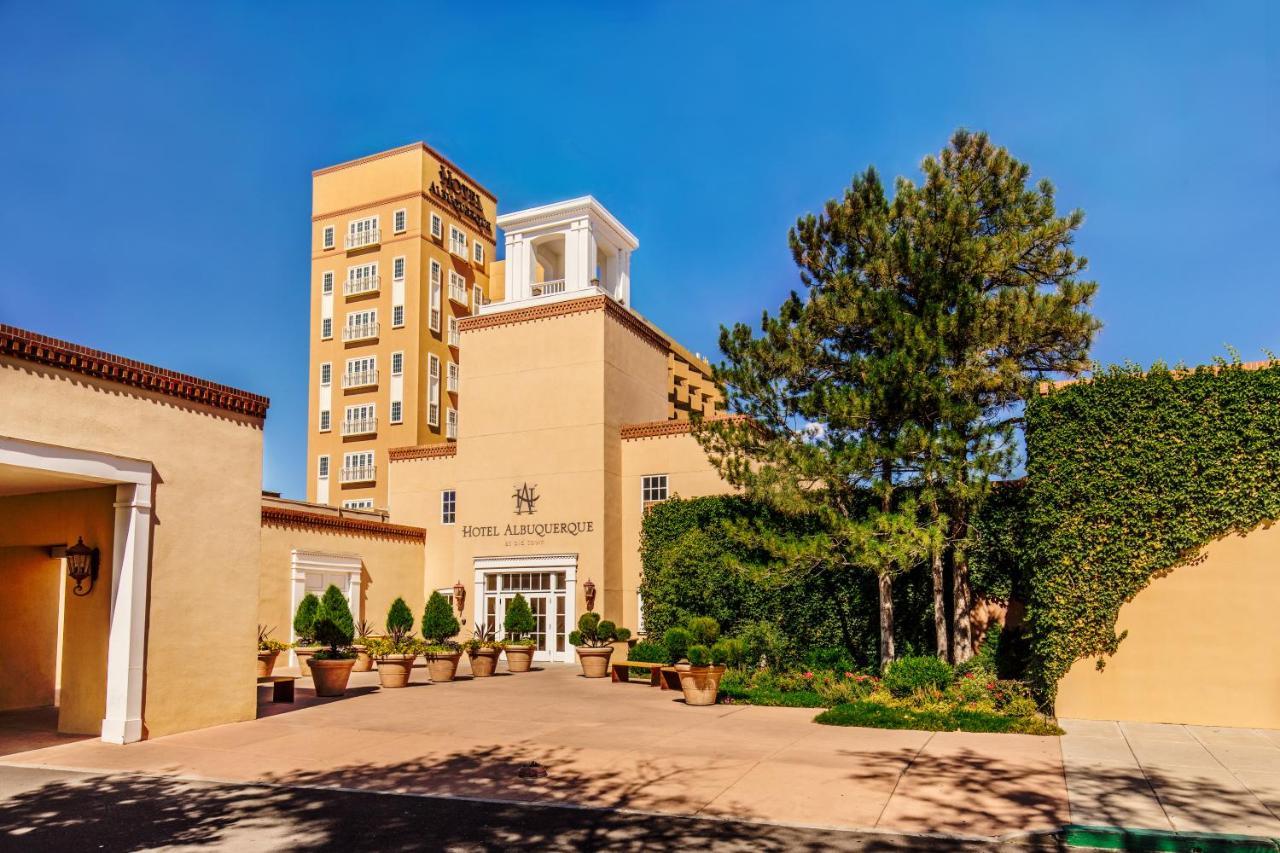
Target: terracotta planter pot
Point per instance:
(484, 661)
(331, 676)
(443, 667)
(266, 663)
(595, 662)
(700, 684)
(304, 655)
(519, 658)
(394, 670)
(364, 660)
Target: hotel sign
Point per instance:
(465, 201)
(526, 498)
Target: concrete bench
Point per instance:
(281, 686)
(660, 675)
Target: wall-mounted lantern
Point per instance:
(82, 565)
(589, 591)
(459, 597)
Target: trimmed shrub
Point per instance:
(905, 676)
(594, 633)
(305, 617)
(519, 621)
(677, 640)
(399, 619)
(698, 655)
(764, 644)
(438, 622)
(648, 651)
(705, 630)
(333, 626)
(727, 651)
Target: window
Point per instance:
(360, 419)
(453, 377)
(433, 390)
(358, 467)
(362, 279)
(397, 363)
(453, 331)
(324, 420)
(397, 268)
(477, 252)
(457, 288)
(448, 506)
(326, 328)
(361, 325)
(328, 237)
(437, 226)
(435, 296)
(477, 297)
(457, 241)
(361, 372)
(326, 373)
(653, 489)
(363, 232)
(397, 411)
(451, 424)
(397, 316)
(399, 220)
(358, 503)
(324, 467)
(326, 283)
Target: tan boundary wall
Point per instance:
(1203, 645)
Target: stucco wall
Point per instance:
(32, 582)
(1203, 645)
(205, 541)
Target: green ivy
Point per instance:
(1130, 475)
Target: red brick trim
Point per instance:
(424, 451)
(561, 309)
(403, 148)
(29, 346)
(653, 429)
(341, 524)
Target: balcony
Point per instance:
(359, 332)
(366, 284)
(364, 426)
(547, 288)
(360, 239)
(453, 335)
(458, 293)
(360, 379)
(359, 474)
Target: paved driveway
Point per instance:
(633, 747)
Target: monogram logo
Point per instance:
(526, 496)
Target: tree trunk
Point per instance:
(940, 607)
(886, 619)
(963, 649)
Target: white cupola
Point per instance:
(565, 250)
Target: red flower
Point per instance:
(848, 675)
(808, 675)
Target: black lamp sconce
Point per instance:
(82, 565)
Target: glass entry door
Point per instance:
(545, 592)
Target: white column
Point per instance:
(126, 650)
(478, 604)
(624, 277)
(570, 605)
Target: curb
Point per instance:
(1118, 838)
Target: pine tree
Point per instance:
(334, 625)
(519, 620)
(304, 618)
(438, 621)
(399, 620)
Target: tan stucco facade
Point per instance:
(1202, 645)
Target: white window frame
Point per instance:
(329, 237)
(397, 316)
(326, 420)
(477, 252)
(322, 466)
(367, 225)
(458, 287)
(437, 284)
(326, 373)
(326, 282)
(651, 486)
(451, 377)
(365, 275)
(397, 412)
(457, 241)
(400, 220)
(326, 328)
(433, 390)
(477, 297)
(453, 332)
(358, 503)
(397, 268)
(397, 363)
(448, 506)
(437, 226)
(451, 423)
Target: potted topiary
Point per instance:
(439, 625)
(396, 651)
(483, 651)
(268, 651)
(517, 625)
(594, 641)
(364, 660)
(333, 628)
(700, 680)
(303, 623)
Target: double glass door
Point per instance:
(545, 592)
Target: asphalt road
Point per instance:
(51, 810)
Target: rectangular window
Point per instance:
(326, 328)
(477, 253)
(457, 241)
(360, 420)
(451, 424)
(362, 279)
(361, 325)
(653, 489)
(433, 390)
(400, 220)
(435, 295)
(328, 237)
(457, 288)
(453, 331)
(326, 283)
(437, 226)
(397, 410)
(358, 503)
(358, 467)
(363, 232)
(324, 467)
(453, 377)
(361, 372)
(477, 297)
(397, 363)
(324, 420)
(397, 268)
(448, 506)
(326, 373)
(397, 316)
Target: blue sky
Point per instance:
(156, 158)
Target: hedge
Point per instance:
(1130, 474)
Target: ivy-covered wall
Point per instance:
(1129, 475)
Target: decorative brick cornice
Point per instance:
(64, 355)
(584, 305)
(341, 524)
(403, 148)
(654, 429)
(423, 451)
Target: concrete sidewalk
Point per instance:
(635, 747)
